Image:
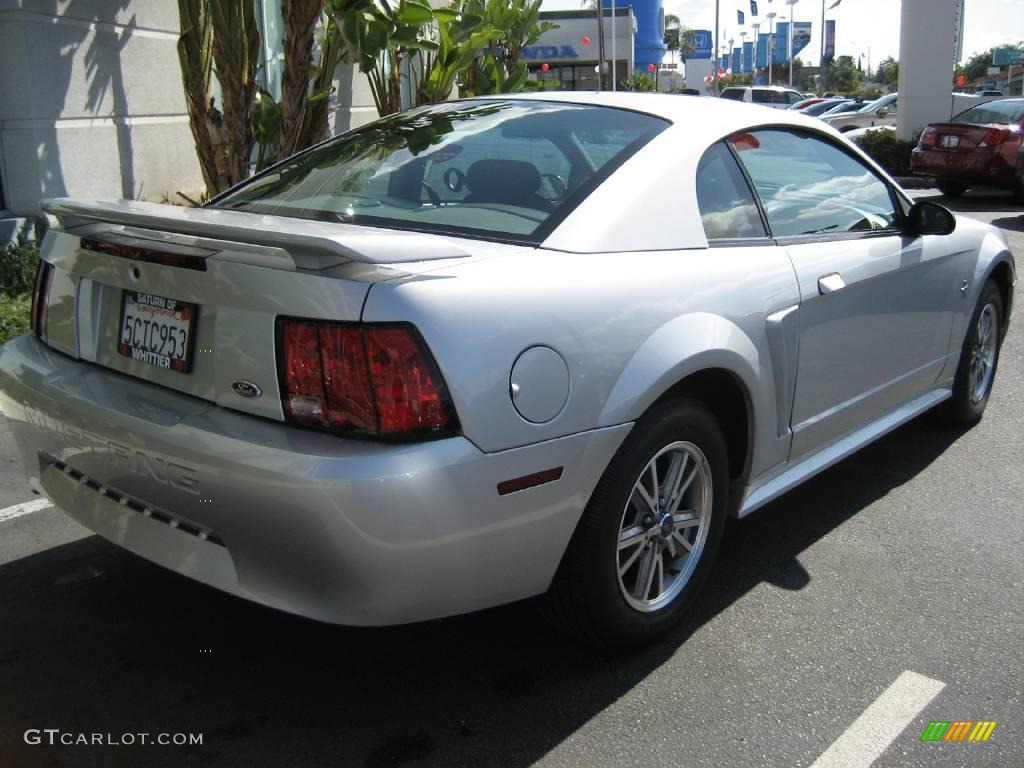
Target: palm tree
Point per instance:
(678, 38)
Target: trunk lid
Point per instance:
(221, 278)
(957, 138)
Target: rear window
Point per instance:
(502, 169)
(993, 112)
(736, 94)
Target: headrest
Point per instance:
(511, 176)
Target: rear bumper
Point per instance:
(974, 168)
(339, 530)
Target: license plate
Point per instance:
(157, 330)
(949, 142)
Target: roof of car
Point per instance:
(704, 117)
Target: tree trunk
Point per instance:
(236, 50)
(300, 18)
(194, 44)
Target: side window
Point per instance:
(808, 186)
(759, 96)
(727, 206)
(795, 98)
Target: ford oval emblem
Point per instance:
(247, 389)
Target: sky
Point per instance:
(860, 24)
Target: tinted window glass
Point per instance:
(993, 112)
(736, 94)
(484, 167)
(808, 186)
(726, 203)
(762, 97)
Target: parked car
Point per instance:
(773, 96)
(1020, 172)
(802, 105)
(827, 106)
(492, 348)
(979, 147)
(843, 106)
(883, 111)
(878, 112)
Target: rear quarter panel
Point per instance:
(628, 325)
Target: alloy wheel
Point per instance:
(983, 354)
(664, 526)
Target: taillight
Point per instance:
(404, 382)
(993, 138)
(365, 379)
(40, 299)
(927, 139)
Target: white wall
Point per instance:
(352, 101)
(91, 102)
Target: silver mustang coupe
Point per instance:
(495, 348)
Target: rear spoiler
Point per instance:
(298, 237)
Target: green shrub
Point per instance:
(639, 81)
(888, 150)
(18, 262)
(14, 311)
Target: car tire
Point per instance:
(619, 595)
(950, 188)
(979, 358)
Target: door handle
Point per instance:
(830, 283)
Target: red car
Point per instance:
(979, 148)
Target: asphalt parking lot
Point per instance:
(904, 558)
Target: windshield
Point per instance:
(502, 169)
(1000, 112)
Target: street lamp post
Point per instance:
(822, 62)
(718, 88)
(614, 85)
(771, 42)
(792, 18)
(743, 45)
(756, 26)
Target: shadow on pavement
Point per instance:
(96, 640)
(979, 199)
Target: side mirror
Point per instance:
(927, 218)
(882, 112)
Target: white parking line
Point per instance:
(879, 725)
(25, 508)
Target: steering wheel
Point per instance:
(454, 179)
(435, 199)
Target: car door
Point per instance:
(875, 305)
